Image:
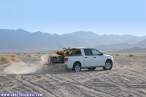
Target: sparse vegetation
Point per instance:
(117, 55)
(4, 60)
(131, 55)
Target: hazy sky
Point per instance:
(66, 16)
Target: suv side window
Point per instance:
(88, 52)
(76, 52)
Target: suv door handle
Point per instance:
(85, 57)
(94, 57)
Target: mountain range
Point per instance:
(22, 40)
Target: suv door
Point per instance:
(89, 58)
(98, 58)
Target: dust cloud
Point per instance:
(22, 68)
(31, 67)
(26, 67)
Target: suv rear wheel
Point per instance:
(77, 67)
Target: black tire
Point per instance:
(92, 68)
(108, 65)
(77, 67)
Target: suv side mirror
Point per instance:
(101, 54)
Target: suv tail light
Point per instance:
(65, 60)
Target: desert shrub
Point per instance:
(117, 55)
(13, 58)
(4, 60)
(131, 55)
(29, 56)
(18, 54)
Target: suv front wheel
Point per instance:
(108, 65)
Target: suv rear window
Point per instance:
(73, 52)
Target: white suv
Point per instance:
(87, 58)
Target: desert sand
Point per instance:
(26, 74)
